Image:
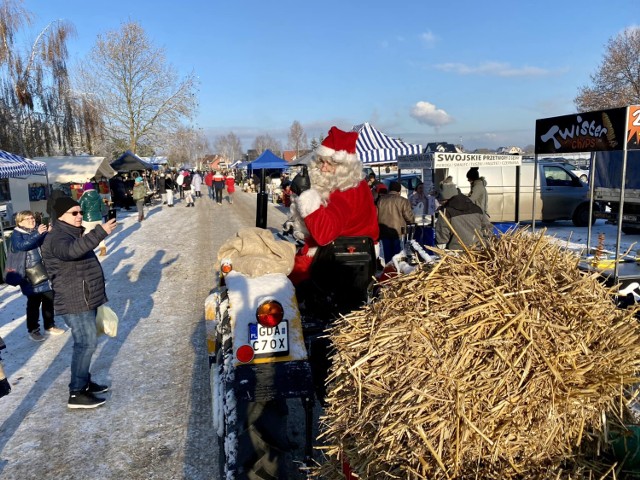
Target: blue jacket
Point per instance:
(30, 242)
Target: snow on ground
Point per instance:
(156, 423)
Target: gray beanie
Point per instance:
(448, 190)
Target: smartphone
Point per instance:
(112, 214)
(45, 221)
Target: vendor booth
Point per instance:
(376, 148)
(68, 173)
(14, 166)
(613, 139)
(129, 161)
(504, 199)
(267, 161)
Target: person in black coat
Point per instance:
(162, 188)
(78, 286)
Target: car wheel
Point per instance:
(581, 215)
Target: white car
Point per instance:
(579, 172)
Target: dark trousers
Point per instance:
(390, 246)
(219, 195)
(33, 310)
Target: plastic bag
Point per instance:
(106, 321)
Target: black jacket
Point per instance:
(74, 270)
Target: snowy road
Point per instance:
(156, 422)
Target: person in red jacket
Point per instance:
(230, 182)
(339, 202)
(208, 181)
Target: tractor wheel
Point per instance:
(262, 445)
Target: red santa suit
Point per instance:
(338, 204)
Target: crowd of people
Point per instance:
(63, 279)
(331, 198)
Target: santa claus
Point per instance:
(339, 202)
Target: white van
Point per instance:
(561, 194)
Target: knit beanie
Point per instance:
(88, 186)
(63, 204)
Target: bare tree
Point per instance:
(140, 95)
(266, 141)
(229, 146)
(37, 114)
(616, 83)
(297, 138)
(187, 147)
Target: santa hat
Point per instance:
(339, 145)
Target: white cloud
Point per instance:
(497, 69)
(429, 39)
(429, 114)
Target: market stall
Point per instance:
(377, 148)
(12, 165)
(610, 136)
(129, 161)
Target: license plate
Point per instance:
(269, 340)
(629, 218)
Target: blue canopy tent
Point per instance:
(269, 161)
(12, 165)
(374, 147)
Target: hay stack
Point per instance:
(497, 363)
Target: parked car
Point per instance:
(560, 194)
(408, 182)
(581, 173)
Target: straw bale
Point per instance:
(498, 362)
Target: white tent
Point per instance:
(79, 169)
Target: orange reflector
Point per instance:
(226, 267)
(244, 354)
(270, 314)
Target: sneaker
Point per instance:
(97, 388)
(54, 331)
(84, 399)
(36, 336)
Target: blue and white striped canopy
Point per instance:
(375, 147)
(12, 165)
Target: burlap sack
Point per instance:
(254, 252)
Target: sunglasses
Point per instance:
(76, 213)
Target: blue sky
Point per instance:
(476, 72)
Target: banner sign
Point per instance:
(422, 160)
(598, 131)
(447, 160)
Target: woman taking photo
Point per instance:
(26, 237)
